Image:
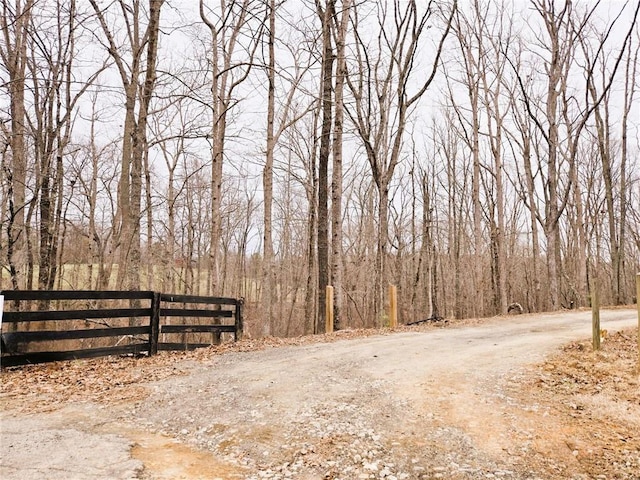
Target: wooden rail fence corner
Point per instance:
(24, 327)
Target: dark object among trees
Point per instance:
(515, 309)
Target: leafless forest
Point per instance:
(474, 153)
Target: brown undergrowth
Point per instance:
(595, 397)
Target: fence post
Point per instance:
(239, 323)
(638, 306)
(595, 313)
(154, 333)
(2, 310)
(328, 327)
(393, 306)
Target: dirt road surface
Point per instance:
(451, 402)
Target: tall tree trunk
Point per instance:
(326, 16)
(336, 183)
(127, 274)
(551, 224)
(428, 250)
(533, 219)
(478, 304)
(382, 273)
(616, 211)
(226, 28)
(495, 119)
(134, 143)
(151, 260)
(310, 305)
(630, 86)
(269, 280)
(15, 22)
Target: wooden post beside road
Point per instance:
(2, 309)
(239, 319)
(393, 306)
(595, 314)
(638, 306)
(328, 326)
(154, 323)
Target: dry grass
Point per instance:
(595, 397)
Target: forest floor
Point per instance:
(522, 397)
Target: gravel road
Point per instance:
(440, 403)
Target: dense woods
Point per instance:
(472, 153)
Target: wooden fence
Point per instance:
(111, 322)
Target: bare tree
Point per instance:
(522, 139)
(53, 85)
(614, 174)
(173, 128)
(424, 295)
(138, 80)
(288, 115)
(326, 14)
(268, 276)
(302, 141)
(15, 23)
(470, 34)
(340, 34)
(380, 82)
(456, 184)
(234, 28)
(493, 63)
(564, 27)
(94, 174)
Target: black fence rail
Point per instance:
(225, 317)
(43, 326)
